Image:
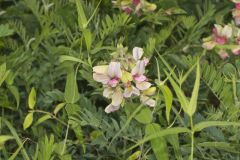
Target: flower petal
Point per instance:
(111, 108)
(148, 101)
(100, 69)
(117, 97)
(209, 45)
(128, 92)
(137, 53)
(139, 69)
(114, 70)
(227, 31)
(135, 91)
(101, 78)
(107, 92)
(143, 85)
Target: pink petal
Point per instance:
(135, 2)
(237, 5)
(140, 78)
(113, 82)
(220, 40)
(223, 54)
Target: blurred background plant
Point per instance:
(51, 108)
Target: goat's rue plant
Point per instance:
(119, 79)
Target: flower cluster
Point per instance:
(236, 12)
(124, 78)
(134, 6)
(225, 38)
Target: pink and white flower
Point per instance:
(222, 34)
(108, 75)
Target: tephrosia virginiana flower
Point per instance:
(125, 78)
(134, 6)
(108, 74)
(222, 34)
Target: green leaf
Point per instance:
(58, 107)
(135, 155)
(15, 135)
(70, 58)
(14, 155)
(4, 138)
(82, 19)
(168, 98)
(144, 116)
(32, 99)
(5, 30)
(174, 141)
(15, 92)
(164, 132)
(206, 124)
(3, 73)
(193, 102)
(28, 120)
(181, 96)
(71, 89)
(159, 145)
(42, 119)
(88, 38)
(233, 148)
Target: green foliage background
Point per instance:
(51, 108)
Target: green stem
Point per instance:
(192, 139)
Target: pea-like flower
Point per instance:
(109, 75)
(134, 6)
(125, 78)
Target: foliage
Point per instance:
(52, 108)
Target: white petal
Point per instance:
(137, 53)
(148, 101)
(143, 85)
(227, 31)
(136, 91)
(117, 97)
(114, 70)
(100, 69)
(107, 92)
(139, 69)
(101, 78)
(128, 92)
(111, 108)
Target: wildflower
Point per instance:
(108, 74)
(223, 54)
(117, 97)
(222, 34)
(125, 78)
(130, 91)
(145, 99)
(236, 51)
(134, 6)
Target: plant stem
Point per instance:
(192, 138)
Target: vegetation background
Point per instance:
(51, 108)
